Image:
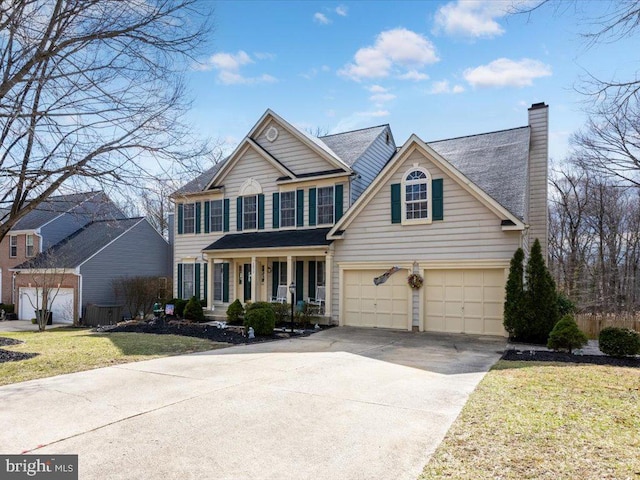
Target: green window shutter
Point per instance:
(300, 208)
(239, 214)
(312, 280)
(196, 289)
(312, 206)
(198, 216)
(180, 218)
(226, 214)
(261, 211)
(299, 280)
(437, 199)
(179, 280)
(396, 204)
(275, 278)
(225, 282)
(338, 203)
(276, 211)
(207, 217)
(205, 276)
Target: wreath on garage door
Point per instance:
(415, 280)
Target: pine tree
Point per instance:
(541, 298)
(514, 304)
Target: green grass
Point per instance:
(67, 350)
(546, 421)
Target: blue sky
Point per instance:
(437, 69)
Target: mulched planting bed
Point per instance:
(8, 356)
(198, 330)
(544, 356)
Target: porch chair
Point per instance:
(318, 302)
(281, 295)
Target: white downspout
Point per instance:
(79, 275)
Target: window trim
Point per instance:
(295, 209)
(193, 280)
(214, 298)
(184, 218)
(13, 246)
(211, 202)
(333, 205)
(403, 196)
(244, 212)
(324, 273)
(28, 237)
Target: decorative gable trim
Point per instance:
(414, 143)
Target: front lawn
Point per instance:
(546, 421)
(67, 350)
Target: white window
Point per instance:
(29, 245)
(325, 205)
(417, 196)
(189, 218)
(217, 282)
(188, 274)
(320, 273)
(282, 272)
(215, 215)
(288, 209)
(13, 246)
(250, 212)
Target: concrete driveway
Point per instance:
(341, 404)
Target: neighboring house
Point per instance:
(339, 211)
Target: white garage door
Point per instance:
(62, 308)
(464, 301)
(368, 305)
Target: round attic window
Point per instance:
(272, 134)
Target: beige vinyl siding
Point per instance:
(537, 215)
(469, 231)
(292, 153)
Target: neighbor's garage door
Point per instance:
(62, 308)
(464, 301)
(368, 305)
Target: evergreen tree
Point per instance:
(514, 304)
(541, 298)
(193, 310)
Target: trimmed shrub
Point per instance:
(235, 311)
(619, 342)
(566, 335)
(193, 310)
(257, 305)
(514, 303)
(178, 306)
(263, 320)
(282, 311)
(8, 307)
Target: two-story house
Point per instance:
(339, 211)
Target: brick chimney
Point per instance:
(537, 216)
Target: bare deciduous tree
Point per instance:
(91, 91)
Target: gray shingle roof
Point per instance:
(271, 239)
(95, 204)
(497, 162)
(78, 247)
(199, 183)
(350, 146)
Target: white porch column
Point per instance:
(328, 282)
(255, 279)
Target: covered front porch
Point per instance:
(261, 266)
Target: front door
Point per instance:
(247, 281)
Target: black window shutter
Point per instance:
(312, 279)
(276, 211)
(396, 204)
(226, 214)
(198, 214)
(338, 203)
(180, 218)
(299, 280)
(261, 211)
(300, 208)
(225, 282)
(196, 289)
(207, 217)
(312, 206)
(239, 214)
(437, 199)
(179, 280)
(275, 278)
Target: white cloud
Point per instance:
(228, 66)
(472, 18)
(414, 75)
(443, 86)
(393, 50)
(380, 98)
(321, 18)
(376, 89)
(504, 72)
(342, 10)
(264, 55)
(357, 120)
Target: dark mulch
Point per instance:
(544, 356)
(197, 330)
(8, 356)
